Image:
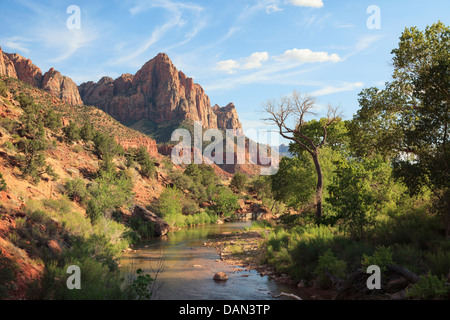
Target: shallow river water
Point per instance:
(189, 268)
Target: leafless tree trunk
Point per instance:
(294, 109)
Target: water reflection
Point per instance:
(189, 267)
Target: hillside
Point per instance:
(73, 173)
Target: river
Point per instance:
(189, 267)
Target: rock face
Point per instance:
(61, 87)
(16, 66)
(159, 93)
(227, 117)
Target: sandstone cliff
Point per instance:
(160, 93)
(16, 66)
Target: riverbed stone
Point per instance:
(220, 276)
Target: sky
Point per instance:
(242, 51)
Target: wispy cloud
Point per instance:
(177, 12)
(331, 89)
(254, 61)
(308, 56)
(308, 3)
(16, 44)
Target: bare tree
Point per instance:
(294, 109)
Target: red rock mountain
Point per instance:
(16, 66)
(160, 93)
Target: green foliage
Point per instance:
(87, 132)
(428, 287)
(76, 190)
(169, 203)
(109, 191)
(329, 263)
(352, 197)
(143, 229)
(225, 202)
(382, 257)
(238, 182)
(2, 183)
(105, 146)
(141, 285)
(142, 157)
(3, 88)
(7, 274)
(407, 122)
(32, 163)
(52, 120)
(72, 132)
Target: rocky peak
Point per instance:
(227, 117)
(157, 92)
(61, 87)
(15, 66)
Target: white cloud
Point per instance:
(308, 3)
(308, 56)
(330, 89)
(16, 44)
(255, 60)
(272, 8)
(228, 66)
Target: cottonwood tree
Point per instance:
(289, 115)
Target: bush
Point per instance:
(329, 263)
(2, 183)
(52, 120)
(142, 157)
(105, 146)
(7, 275)
(382, 257)
(72, 132)
(3, 88)
(169, 203)
(225, 202)
(76, 190)
(87, 132)
(238, 182)
(428, 287)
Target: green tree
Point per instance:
(296, 108)
(238, 181)
(408, 121)
(72, 132)
(87, 132)
(142, 157)
(225, 201)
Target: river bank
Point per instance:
(245, 250)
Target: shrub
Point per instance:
(428, 287)
(225, 202)
(3, 88)
(2, 183)
(7, 275)
(329, 263)
(52, 120)
(76, 190)
(87, 132)
(141, 285)
(72, 132)
(106, 146)
(143, 229)
(148, 168)
(169, 203)
(382, 257)
(238, 182)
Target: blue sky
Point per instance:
(246, 52)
